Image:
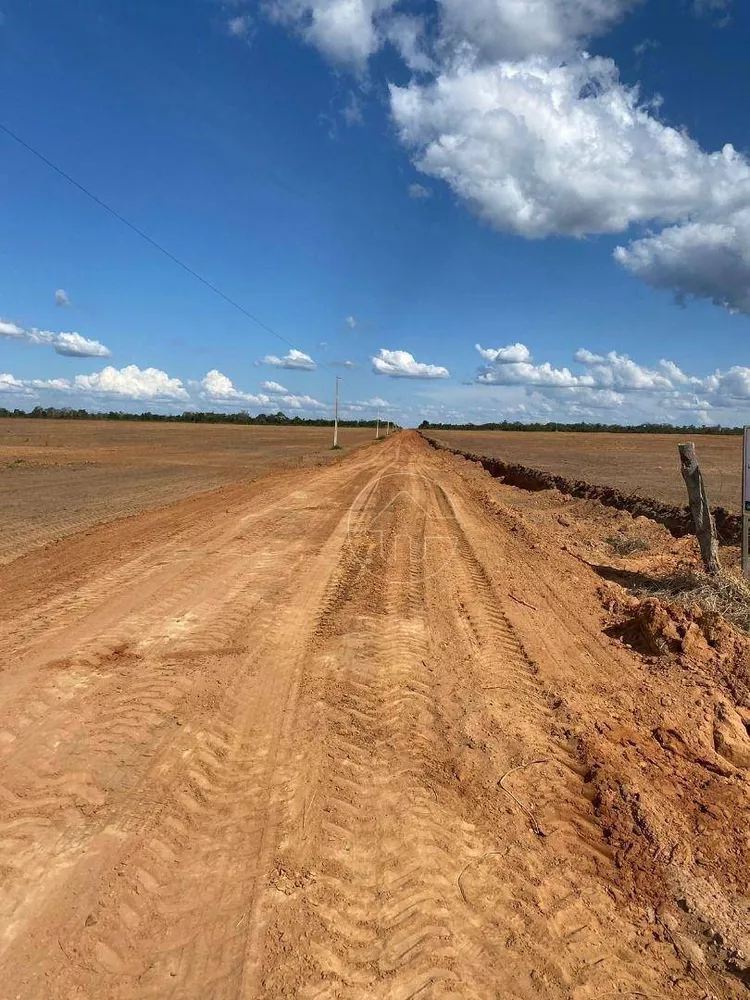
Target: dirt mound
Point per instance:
(700, 638)
(671, 802)
(677, 520)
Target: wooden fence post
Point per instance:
(705, 528)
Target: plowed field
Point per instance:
(645, 464)
(61, 476)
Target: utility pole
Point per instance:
(336, 414)
(377, 429)
(387, 428)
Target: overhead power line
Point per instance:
(144, 236)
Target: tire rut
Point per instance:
(271, 768)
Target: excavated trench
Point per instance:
(677, 520)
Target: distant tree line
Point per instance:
(188, 417)
(515, 425)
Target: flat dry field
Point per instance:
(62, 476)
(648, 463)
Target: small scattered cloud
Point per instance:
(273, 388)
(240, 26)
(352, 110)
(344, 364)
(707, 8)
(401, 364)
(644, 47)
(293, 359)
(217, 389)
(419, 192)
(61, 297)
(345, 31)
(368, 405)
(300, 402)
(505, 355)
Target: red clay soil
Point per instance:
(394, 730)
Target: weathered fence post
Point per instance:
(705, 528)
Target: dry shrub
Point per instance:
(622, 545)
(725, 595)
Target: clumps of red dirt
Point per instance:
(700, 639)
(672, 784)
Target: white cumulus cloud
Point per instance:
(13, 386)
(699, 260)
(407, 34)
(516, 29)
(219, 388)
(507, 107)
(71, 345)
(615, 381)
(11, 331)
(300, 402)
(539, 148)
(618, 371)
(61, 297)
(344, 31)
(727, 387)
(292, 359)
(53, 384)
(525, 373)
(505, 355)
(613, 372)
(401, 364)
(132, 382)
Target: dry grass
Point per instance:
(726, 595)
(623, 545)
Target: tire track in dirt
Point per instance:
(195, 799)
(379, 914)
(273, 771)
(547, 889)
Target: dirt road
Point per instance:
(319, 736)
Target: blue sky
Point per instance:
(382, 183)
